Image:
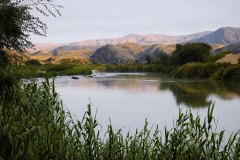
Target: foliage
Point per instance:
(148, 59)
(9, 76)
(33, 62)
(231, 73)
(17, 22)
(47, 131)
(163, 59)
(216, 57)
(195, 70)
(191, 52)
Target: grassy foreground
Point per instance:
(34, 125)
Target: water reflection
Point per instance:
(196, 93)
(153, 97)
(192, 93)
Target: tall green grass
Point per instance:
(34, 125)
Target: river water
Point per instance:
(128, 99)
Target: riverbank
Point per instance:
(215, 71)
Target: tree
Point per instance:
(148, 59)
(17, 22)
(163, 58)
(191, 52)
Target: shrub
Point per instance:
(9, 76)
(58, 67)
(191, 52)
(231, 73)
(195, 70)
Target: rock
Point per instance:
(74, 77)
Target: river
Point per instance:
(128, 99)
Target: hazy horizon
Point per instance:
(94, 19)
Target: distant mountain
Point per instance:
(224, 36)
(45, 46)
(139, 39)
(124, 53)
(234, 48)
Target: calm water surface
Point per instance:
(127, 99)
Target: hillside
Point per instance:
(224, 36)
(154, 51)
(233, 48)
(117, 54)
(230, 58)
(81, 55)
(129, 53)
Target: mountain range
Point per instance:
(224, 36)
(133, 47)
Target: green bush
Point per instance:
(191, 52)
(195, 70)
(58, 67)
(231, 73)
(80, 70)
(9, 76)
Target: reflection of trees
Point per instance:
(195, 94)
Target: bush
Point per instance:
(195, 70)
(231, 73)
(58, 67)
(191, 52)
(9, 76)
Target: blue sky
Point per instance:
(95, 19)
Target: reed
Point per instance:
(35, 125)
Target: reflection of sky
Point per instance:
(128, 101)
(113, 84)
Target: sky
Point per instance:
(97, 19)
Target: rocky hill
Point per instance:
(224, 36)
(154, 51)
(233, 48)
(124, 53)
